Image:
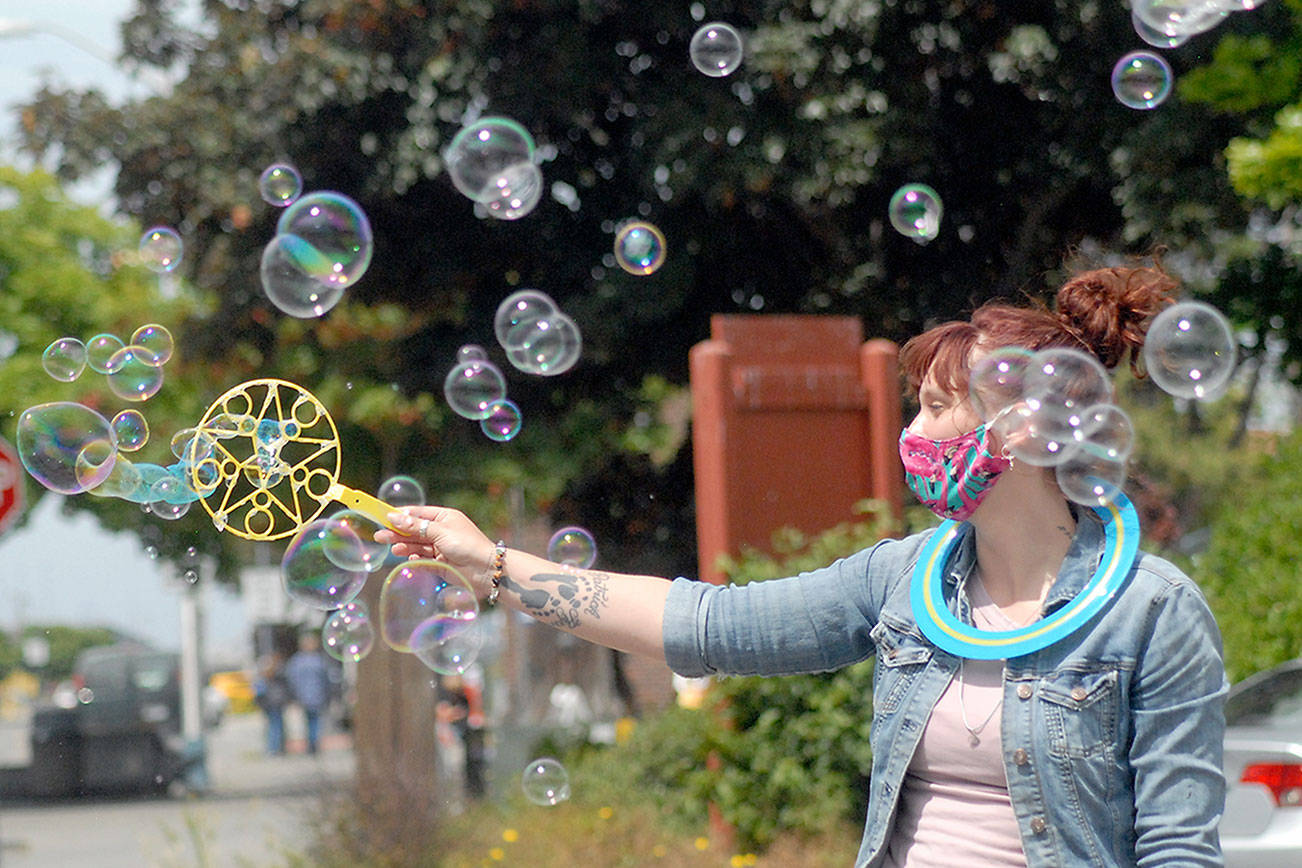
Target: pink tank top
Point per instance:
(954, 807)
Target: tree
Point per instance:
(66, 271)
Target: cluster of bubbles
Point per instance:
(475, 389)
(545, 782)
(573, 546)
(640, 247)
(133, 370)
(493, 163)
(915, 211)
(1053, 408)
(429, 609)
(536, 334)
(161, 249)
(280, 185)
(322, 246)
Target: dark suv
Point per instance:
(123, 732)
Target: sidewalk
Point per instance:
(238, 764)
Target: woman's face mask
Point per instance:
(951, 477)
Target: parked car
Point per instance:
(117, 726)
(1262, 827)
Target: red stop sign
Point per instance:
(11, 485)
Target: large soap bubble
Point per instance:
(915, 211)
(425, 603)
(347, 634)
(513, 192)
(997, 380)
(520, 307)
(66, 447)
(133, 374)
(280, 184)
(716, 49)
(640, 247)
(573, 546)
(545, 782)
(1089, 475)
(548, 345)
(502, 422)
(160, 249)
(482, 152)
(288, 269)
(314, 577)
(336, 231)
(64, 359)
(1190, 351)
(1179, 17)
(471, 388)
(1141, 80)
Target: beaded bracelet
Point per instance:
(498, 565)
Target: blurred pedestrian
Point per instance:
(309, 682)
(271, 692)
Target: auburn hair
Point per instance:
(1104, 312)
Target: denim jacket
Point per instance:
(1111, 737)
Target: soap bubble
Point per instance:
(471, 353)
(450, 656)
(336, 232)
(548, 345)
(100, 350)
(997, 379)
(131, 430)
(349, 542)
(1058, 385)
(1141, 80)
(1178, 17)
(716, 49)
(134, 376)
(1153, 36)
(160, 249)
(157, 340)
(427, 600)
(521, 306)
(546, 782)
(288, 269)
(639, 247)
(280, 184)
(502, 422)
(471, 388)
(66, 447)
(311, 577)
(1089, 476)
(124, 481)
(1108, 431)
(513, 192)
(573, 546)
(1034, 431)
(347, 634)
(483, 151)
(169, 498)
(915, 211)
(401, 491)
(64, 359)
(192, 445)
(1190, 351)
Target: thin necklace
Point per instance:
(973, 733)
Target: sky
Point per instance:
(65, 569)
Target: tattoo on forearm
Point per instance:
(574, 594)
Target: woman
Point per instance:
(1101, 747)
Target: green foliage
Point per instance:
(1249, 571)
(11, 654)
(793, 752)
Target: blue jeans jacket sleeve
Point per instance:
(1177, 702)
(814, 622)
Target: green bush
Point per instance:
(1251, 571)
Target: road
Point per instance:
(258, 810)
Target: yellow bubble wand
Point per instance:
(265, 460)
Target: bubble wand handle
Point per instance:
(371, 507)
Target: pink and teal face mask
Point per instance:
(951, 477)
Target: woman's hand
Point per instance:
(444, 534)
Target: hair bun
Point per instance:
(1109, 309)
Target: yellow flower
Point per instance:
(750, 858)
(606, 812)
(497, 854)
(659, 851)
(737, 861)
(510, 836)
(702, 843)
